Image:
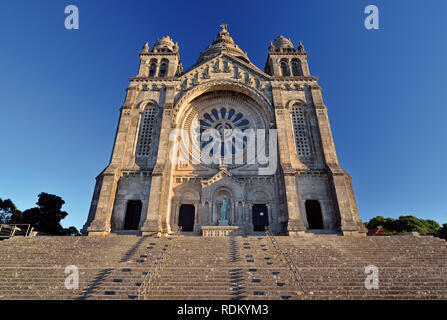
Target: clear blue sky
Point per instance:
(60, 90)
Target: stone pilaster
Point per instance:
(101, 225)
(295, 224)
(159, 199)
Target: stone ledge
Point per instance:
(222, 231)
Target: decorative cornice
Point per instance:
(299, 78)
(215, 83)
(148, 79)
(271, 53)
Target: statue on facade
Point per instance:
(223, 208)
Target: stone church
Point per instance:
(143, 191)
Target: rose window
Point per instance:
(226, 123)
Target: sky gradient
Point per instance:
(385, 89)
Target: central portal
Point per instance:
(260, 217)
(186, 217)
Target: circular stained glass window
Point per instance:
(226, 122)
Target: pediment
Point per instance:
(222, 176)
(225, 66)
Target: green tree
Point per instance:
(433, 227)
(8, 211)
(405, 224)
(386, 223)
(411, 223)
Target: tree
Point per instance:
(411, 223)
(386, 223)
(47, 216)
(8, 211)
(405, 224)
(442, 232)
(71, 231)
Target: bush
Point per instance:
(405, 224)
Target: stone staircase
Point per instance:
(326, 266)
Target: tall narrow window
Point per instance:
(296, 68)
(146, 136)
(284, 69)
(152, 69)
(301, 131)
(163, 69)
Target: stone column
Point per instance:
(161, 179)
(239, 213)
(250, 217)
(214, 220)
(196, 217)
(175, 213)
(269, 213)
(205, 212)
(202, 211)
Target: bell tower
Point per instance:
(318, 192)
(284, 60)
(163, 61)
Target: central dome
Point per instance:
(223, 43)
(282, 42)
(165, 44)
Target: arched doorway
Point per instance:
(133, 215)
(260, 217)
(186, 217)
(314, 214)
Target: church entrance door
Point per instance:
(260, 217)
(313, 213)
(133, 215)
(186, 217)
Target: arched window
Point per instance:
(297, 70)
(152, 68)
(146, 136)
(163, 69)
(284, 69)
(301, 131)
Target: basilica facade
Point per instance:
(289, 179)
